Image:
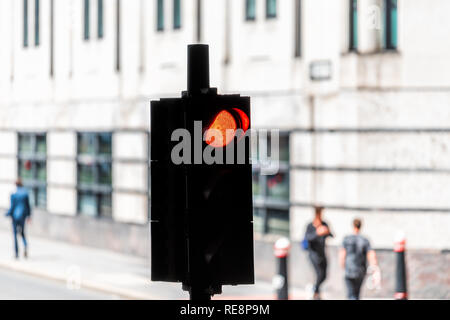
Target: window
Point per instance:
(271, 8)
(94, 163)
(25, 23)
(298, 28)
(353, 26)
(87, 22)
(160, 15)
(117, 35)
(271, 192)
(32, 167)
(176, 14)
(36, 22)
(199, 21)
(390, 25)
(250, 10)
(99, 19)
(86, 19)
(52, 38)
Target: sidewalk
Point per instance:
(125, 276)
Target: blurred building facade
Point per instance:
(358, 89)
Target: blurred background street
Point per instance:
(64, 271)
(19, 286)
(359, 89)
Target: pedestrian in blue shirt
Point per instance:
(20, 212)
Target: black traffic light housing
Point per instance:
(201, 212)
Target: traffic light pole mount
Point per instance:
(197, 84)
(198, 69)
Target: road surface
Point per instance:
(15, 285)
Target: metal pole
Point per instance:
(401, 292)
(198, 294)
(198, 68)
(283, 292)
(198, 83)
(281, 280)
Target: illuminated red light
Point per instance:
(245, 121)
(216, 136)
(225, 121)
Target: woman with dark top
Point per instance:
(316, 233)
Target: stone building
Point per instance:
(360, 90)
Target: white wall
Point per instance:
(381, 228)
(8, 166)
(372, 89)
(261, 52)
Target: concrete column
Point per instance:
(321, 44)
(61, 173)
(130, 177)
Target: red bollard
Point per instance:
(401, 292)
(280, 281)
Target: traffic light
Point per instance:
(201, 186)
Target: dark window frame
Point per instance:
(199, 17)
(37, 22)
(33, 184)
(389, 28)
(250, 16)
(52, 38)
(25, 23)
(159, 15)
(94, 161)
(298, 29)
(118, 23)
(353, 25)
(86, 20)
(100, 19)
(177, 14)
(271, 15)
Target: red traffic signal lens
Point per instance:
(245, 121)
(216, 135)
(222, 129)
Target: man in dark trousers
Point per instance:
(20, 212)
(316, 233)
(353, 256)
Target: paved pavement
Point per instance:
(93, 270)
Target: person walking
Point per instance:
(354, 254)
(316, 234)
(20, 212)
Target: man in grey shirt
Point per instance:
(355, 253)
